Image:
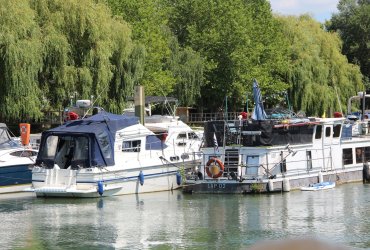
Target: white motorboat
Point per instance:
(16, 163)
(108, 154)
(319, 186)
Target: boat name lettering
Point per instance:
(216, 185)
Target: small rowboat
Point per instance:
(319, 186)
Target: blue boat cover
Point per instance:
(100, 128)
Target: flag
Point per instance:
(215, 144)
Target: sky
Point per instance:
(320, 10)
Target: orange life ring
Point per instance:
(212, 163)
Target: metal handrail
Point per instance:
(202, 117)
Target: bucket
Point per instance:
(25, 131)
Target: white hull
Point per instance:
(129, 187)
(15, 172)
(14, 188)
(85, 183)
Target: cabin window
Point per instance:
(81, 154)
(104, 142)
(184, 156)
(181, 136)
(327, 131)
(192, 135)
(336, 130)
(318, 132)
(131, 146)
(359, 155)
(347, 156)
(174, 158)
(66, 151)
(252, 165)
(283, 166)
(152, 142)
(367, 154)
(50, 147)
(309, 160)
(362, 154)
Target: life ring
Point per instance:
(211, 165)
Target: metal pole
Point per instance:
(139, 103)
(363, 105)
(287, 99)
(226, 108)
(246, 103)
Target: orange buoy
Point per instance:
(214, 168)
(25, 129)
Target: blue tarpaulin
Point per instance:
(100, 129)
(258, 110)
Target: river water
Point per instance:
(173, 220)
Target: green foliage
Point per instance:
(86, 51)
(318, 72)
(239, 40)
(55, 48)
(187, 67)
(198, 51)
(169, 68)
(257, 188)
(353, 24)
(20, 61)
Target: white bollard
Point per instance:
(286, 185)
(321, 178)
(270, 186)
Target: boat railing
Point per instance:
(269, 168)
(203, 117)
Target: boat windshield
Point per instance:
(5, 139)
(4, 136)
(70, 151)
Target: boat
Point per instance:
(166, 122)
(319, 186)
(15, 163)
(108, 154)
(265, 155)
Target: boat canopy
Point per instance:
(100, 131)
(257, 133)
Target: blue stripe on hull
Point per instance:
(135, 177)
(15, 175)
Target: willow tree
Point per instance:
(169, 69)
(239, 40)
(87, 52)
(319, 75)
(353, 25)
(51, 50)
(20, 60)
(149, 30)
(187, 67)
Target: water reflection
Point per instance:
(173, 220)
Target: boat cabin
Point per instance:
(264, 149)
